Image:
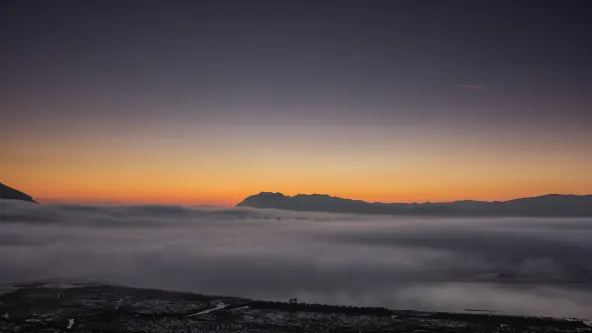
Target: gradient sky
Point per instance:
(205, 102)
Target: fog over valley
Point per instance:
(531, 266)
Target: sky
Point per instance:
(520, 266)
(206, 102)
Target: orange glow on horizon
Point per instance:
(231, 199)
(179, 171)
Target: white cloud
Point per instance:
(426, 263)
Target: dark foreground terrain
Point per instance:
(55, 307)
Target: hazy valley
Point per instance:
(537, 266)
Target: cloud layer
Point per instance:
(514, 265)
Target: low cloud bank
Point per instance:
(514, 265)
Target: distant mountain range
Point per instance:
(7, 192)
(547, 205)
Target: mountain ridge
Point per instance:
(557, 205)
(7, 192)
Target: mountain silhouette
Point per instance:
(547, 205)
(7, 192)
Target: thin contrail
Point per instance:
(469, 86)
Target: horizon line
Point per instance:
(234, 203)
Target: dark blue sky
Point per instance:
(377, 60)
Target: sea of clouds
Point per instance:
(532, 266)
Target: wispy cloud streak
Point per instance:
(471, 86)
